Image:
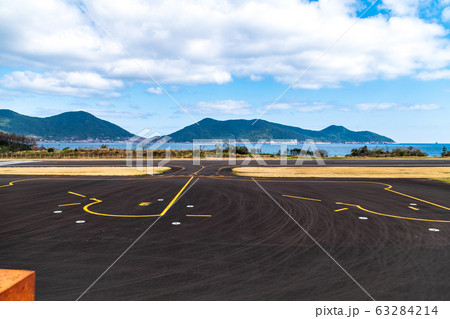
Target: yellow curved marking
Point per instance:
(306, 198)
(394, 216)
(96, 201)
(199, 170)
(71, 204)
(20, 180)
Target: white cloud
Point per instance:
(61, 83)
(446, 14)
(155, 90)
(256, 78)
(402, 7)
(219, 40)
(300, 106)
(375, 106)
(104, 103)
(434, 75)
(422, 107)
(223, 107)
(386, 106)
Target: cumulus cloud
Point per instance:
(62, 83)
(217, 41)
(223, 107)
(155, 90)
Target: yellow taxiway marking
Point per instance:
(413, 208)
(306, 198)
(145, 204)
(199, 170)
(176, 197)
(340, 210)
(199, 215)
(20, 180)
(394, 216)
(96, 201)
(71, 204)
(389, 189)
(76, 194)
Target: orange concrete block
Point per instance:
(17, 285)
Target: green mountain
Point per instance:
(69, 126)
(243, 129)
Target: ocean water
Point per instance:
(332, 149)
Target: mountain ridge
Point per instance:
(209, 128)
(67, 126)
(83, 126)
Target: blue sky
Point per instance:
(388, 71)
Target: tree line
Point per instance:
(14, 142)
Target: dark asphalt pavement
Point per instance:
(234, 243)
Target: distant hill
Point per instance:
(243, 129)
(69, 126)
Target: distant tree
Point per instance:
(445, 153)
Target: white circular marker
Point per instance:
(190, 206)
(433, 229)
(176, 223)
(57, 212)
(363, 218)
(80, 221)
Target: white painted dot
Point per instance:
(412, 204)
(160, 199)
(433, 229)
(57, 212)
(176, 223)
(361, 217)
(80, 221)
(190, 206)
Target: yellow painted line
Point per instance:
(20, 180)
(389, 189)
(340, 210)
(199, 215)
(145, 204)
(394, 216)
(306, 198)
(413, 208)
(96, 201)
(199, 170)
(71, 204)
(76, 194)
(176, 197)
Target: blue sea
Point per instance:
(332, 149)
